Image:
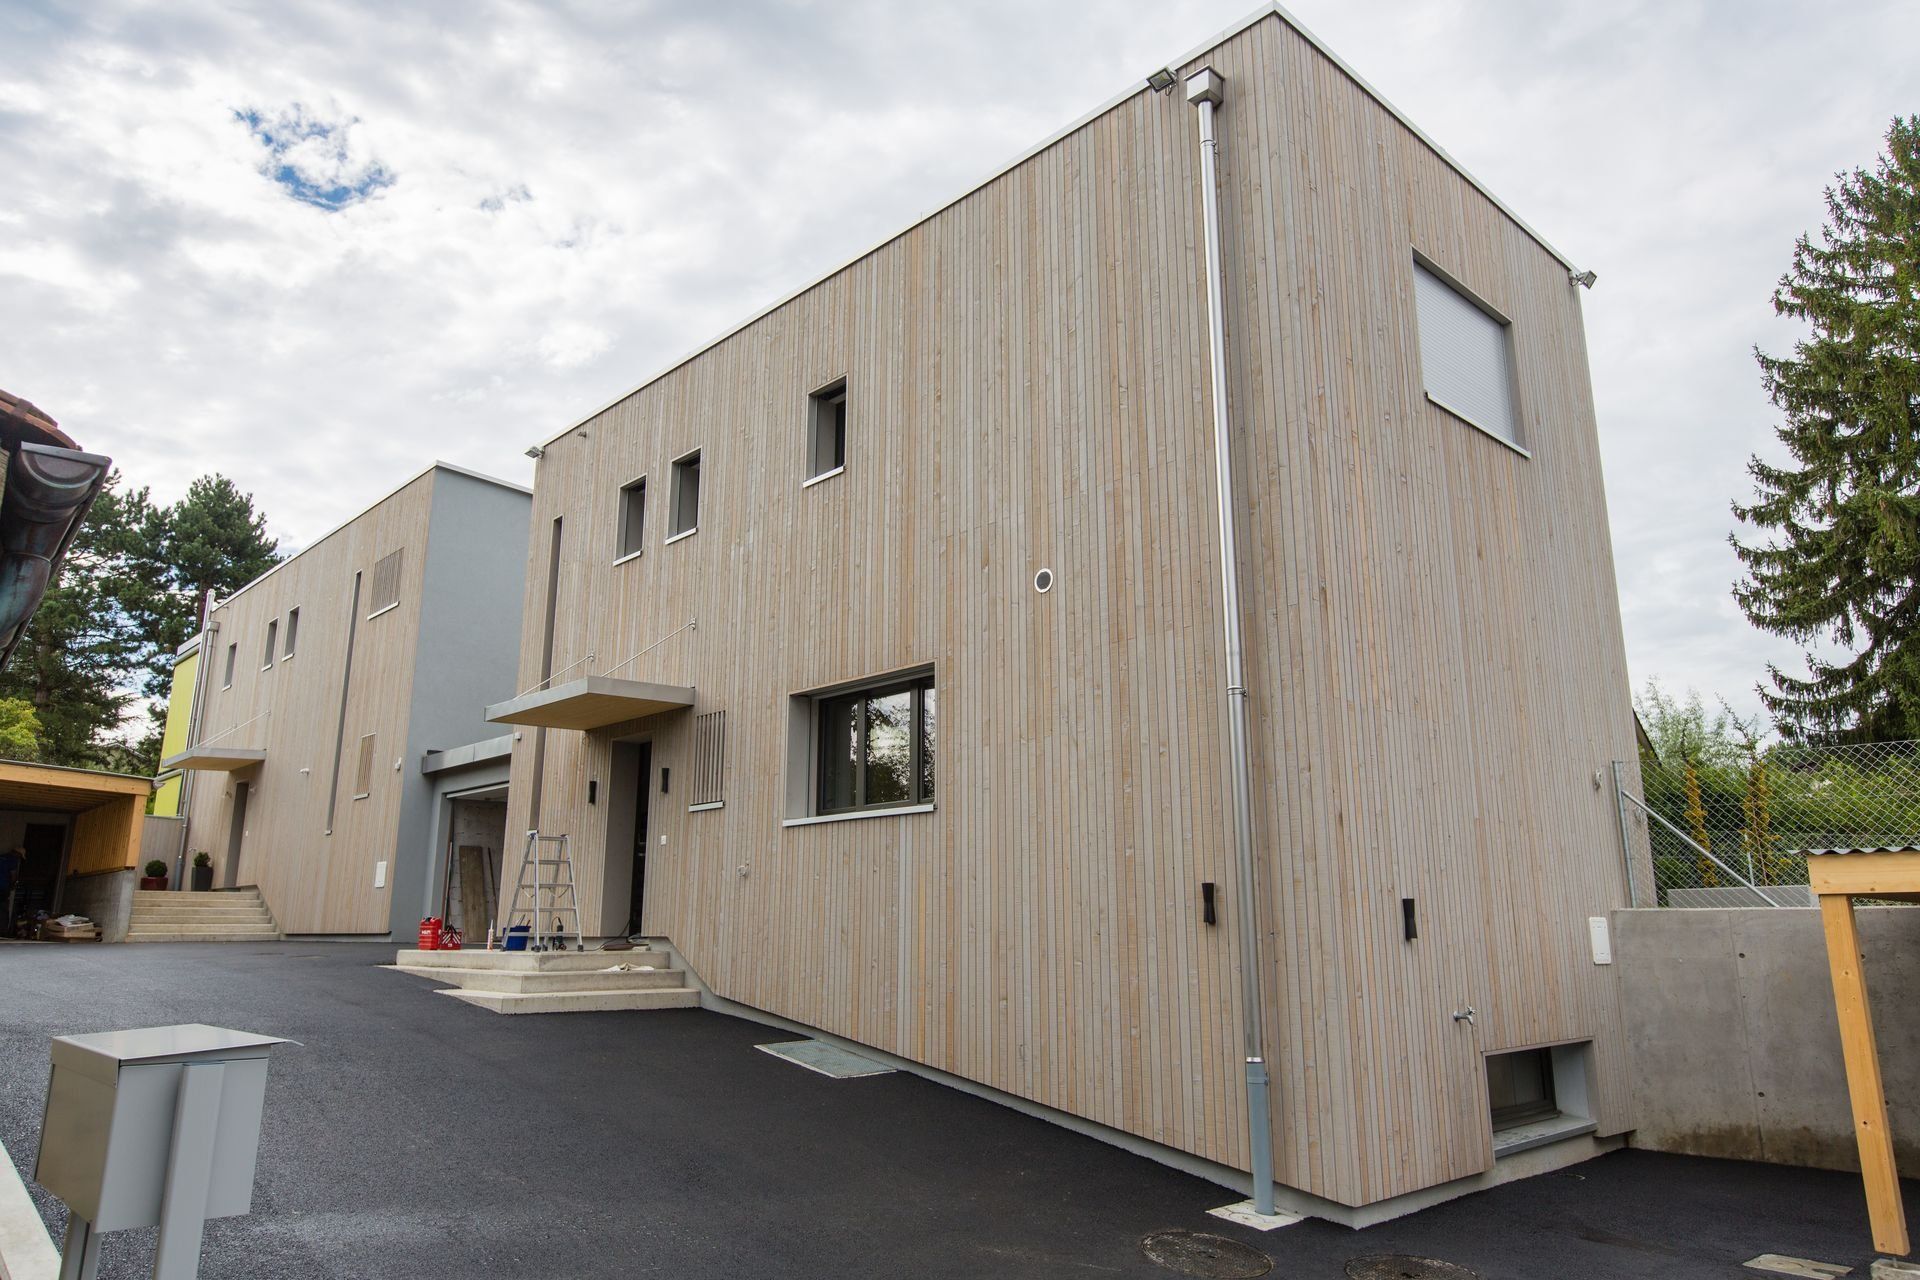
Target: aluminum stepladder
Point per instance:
(552, 895)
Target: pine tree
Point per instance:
(80, 650)
(1844, 559)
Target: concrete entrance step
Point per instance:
(196, 913)
(510, 982)
(169, 934)
(525, 961)
(578, 1001)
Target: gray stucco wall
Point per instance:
(1735, 1043)
(105, 898)
(468, 656)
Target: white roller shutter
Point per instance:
(1466, 358)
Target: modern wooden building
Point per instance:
(330, 692)
(876, 662)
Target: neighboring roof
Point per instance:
(1271, 10)
(23, 422)
(388, 496)
(58, 789)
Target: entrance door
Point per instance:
(642, 791)
(230, 877)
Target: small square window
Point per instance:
(1466, 356)
(293, 632)
(273, 639)
(633, 520)
(827, 430)
(686, 495)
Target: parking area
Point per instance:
(411, 1135)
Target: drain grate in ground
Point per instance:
(827, 1059)
(1404, 1266)
(1195, 1253)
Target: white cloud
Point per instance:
(576, 194)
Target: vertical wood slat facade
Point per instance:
(1436, 664)
(331, 801)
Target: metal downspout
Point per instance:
(208, 630)
(1204, 91)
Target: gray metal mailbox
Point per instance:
(155, 1127)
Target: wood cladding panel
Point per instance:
(316, 880)
(1435, 657)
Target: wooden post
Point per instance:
(1885, 1212)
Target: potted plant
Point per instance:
(154, 875)
(202, 871)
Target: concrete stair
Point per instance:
(554, 981)
(225, 915)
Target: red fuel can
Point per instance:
(430, 934)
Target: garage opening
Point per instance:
(476, 847)
(1537, 1096)
(33, 864)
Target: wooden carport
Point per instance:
(1837, 877)
(106, 809)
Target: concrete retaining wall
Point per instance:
(106, 898)
(1735, 1044)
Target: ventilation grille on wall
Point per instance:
(386, 583)
(709, 759)
(363, 772)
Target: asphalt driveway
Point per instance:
(412, 1136)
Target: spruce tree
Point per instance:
(1843, 559)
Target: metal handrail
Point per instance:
(1691, 843)
(691, 626)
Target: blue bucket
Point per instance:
(517, 935)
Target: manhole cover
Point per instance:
(1194, 1253)
(1403, 1266)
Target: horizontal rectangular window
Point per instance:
(1466, 356)
(876, 747)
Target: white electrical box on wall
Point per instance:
(1600, 940)
(380, 876)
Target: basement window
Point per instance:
(273, 641)
(1538, 1096)
(1466, 356)
(685, 514)
(632, 533)
(827, 431)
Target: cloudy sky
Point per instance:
(315, 246)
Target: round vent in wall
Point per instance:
(1043, 581)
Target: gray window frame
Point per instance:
(1432, 360)
(919, 684)
(689, 463)
(826, 432)
(630, 534)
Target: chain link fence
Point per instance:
(1736, 831)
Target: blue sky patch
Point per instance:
(312, 159)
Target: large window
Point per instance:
(877, 747)
(1466, 356)
(686, 496)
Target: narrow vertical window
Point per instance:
(273, 640)
(827, 431)
(233, 652)
(709, 761)
(293, 632)
(686, 495)
(363, 772)
(633, 520)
